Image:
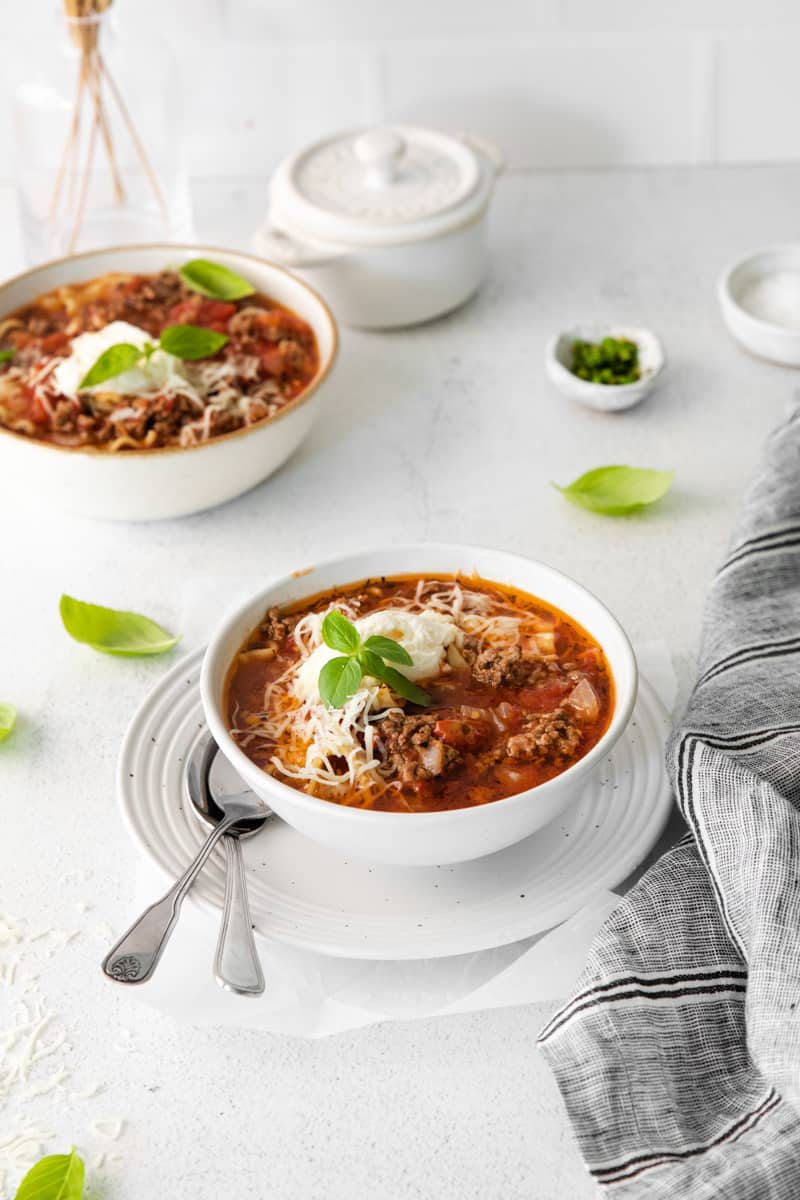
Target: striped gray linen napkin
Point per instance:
(678, 1056)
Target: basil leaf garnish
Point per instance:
(339, 680)
(341, 677)
(397, 682)
(8, 717)
(615, 491)
(6, 355)
(191, 342)
(112, 631)
(339, 634)
(112, 362)
(57, 1177)
(213, 280)
(390, 649)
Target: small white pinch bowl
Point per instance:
(778, 343)
(148, 485)
(601, 396)
(422, 839)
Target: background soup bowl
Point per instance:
(423, 839)
(146, 485)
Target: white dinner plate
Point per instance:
(316, 898)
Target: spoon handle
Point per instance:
(135, 956)
(236, 964)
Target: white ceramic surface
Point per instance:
(422, 839)
(775, 342)
(396, 250)
(600, 396)
(324, 900)
(147, 485)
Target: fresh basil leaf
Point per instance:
(6, 355)
(389, 649)
(8, 716)
(191, 342)
(112, 631)
(339, 634)
(212, 279)
(338, 680)
(616, 491)
(57, 1177)
(112, 362)
(374, 666)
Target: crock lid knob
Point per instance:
(380, 150)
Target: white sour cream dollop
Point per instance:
(153, 375)
(425, 636)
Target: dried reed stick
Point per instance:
(83, 20)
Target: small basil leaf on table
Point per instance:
(375, 666)
(617, 490)
(8, 716)
(191, 342)
(213, 280)
(339, 634)
(388, 648)
(113, 631)
(57, 1177)
(112, 362)
(6, 355)
(339, 679)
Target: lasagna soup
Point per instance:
(266, 357)
(499, 693)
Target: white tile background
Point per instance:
(559, 83)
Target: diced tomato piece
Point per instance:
(547, 697)
(589, 660)
(271, 357)
(54, 342)
(212, 314)
(462, 734)
(38, 413)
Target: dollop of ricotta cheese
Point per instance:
(425, 636)
(151, 375)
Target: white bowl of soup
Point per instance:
(174, 431)
(516, 682)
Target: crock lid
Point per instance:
(380, 186)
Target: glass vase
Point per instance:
(99, 154)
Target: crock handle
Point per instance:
(487, 149)
(271, 243)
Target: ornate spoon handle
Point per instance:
(135, 956)
(236, 964)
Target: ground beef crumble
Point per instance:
(411, 748)
(508, 667)
(549, 737)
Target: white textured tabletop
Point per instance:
(445, 432)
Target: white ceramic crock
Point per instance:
(390, 224)
(147, 485)
(422, 839)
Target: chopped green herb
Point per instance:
(612, 361)
(112, 631)
(211, 279)
(341, 677)
(616, 491)
(6, 355)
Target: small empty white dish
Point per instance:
(605, 397)
(760, 300)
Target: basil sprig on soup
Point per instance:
(475, 692)
(128, 362)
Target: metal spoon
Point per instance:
(136, 955)
(209, 779)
